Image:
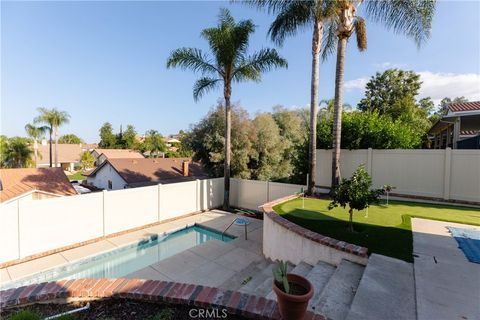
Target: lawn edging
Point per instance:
(196, 296)
(285, 240)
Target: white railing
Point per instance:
(446, 174)
(35, 226)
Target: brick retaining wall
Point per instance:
(235, 302)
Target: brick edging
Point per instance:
(235, 302)
(308, 234)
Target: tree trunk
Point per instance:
(56, 146)
(228, 129)
(350, 223)
(35, 151)
(50, 149)
(312, 152)
(337, 112)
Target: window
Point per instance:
(110, 186)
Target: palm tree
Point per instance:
(35, 133)
(17, 153)
(228, 43)
(54, 119)
(293, 16)
(413, 18)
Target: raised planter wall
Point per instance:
(285, 240)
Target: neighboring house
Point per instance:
(101, 155)
(459, 128)
(33, 184)
(116, 174)
(68, 155)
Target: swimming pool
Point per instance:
(122, 261)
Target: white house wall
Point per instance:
(107, 172)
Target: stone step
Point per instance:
(263, 272)
(302, 269)
(241, 278)
(319, 277)
(388, 284)
(337, 295)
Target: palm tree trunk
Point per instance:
(56, 147)
(337, 113)
(312, 153)
(228, 129)
(35, 151)
(50, 150)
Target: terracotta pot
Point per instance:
(293, 307)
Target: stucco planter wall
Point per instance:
(285, 240)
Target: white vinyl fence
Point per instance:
(31, 227)
(447, 174)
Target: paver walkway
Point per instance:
(447, 284)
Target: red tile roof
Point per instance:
(67, 153)
(16, 182)
(120, 153)
(464, 106)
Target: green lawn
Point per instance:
(386, 230)
(76, 176)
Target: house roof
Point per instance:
(15, 182)
(120, 153)
(138, 172)
(464, 106)
(66, 153)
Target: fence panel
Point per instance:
(465, 175)
(52, 223)
(210, 193)
(9, 231)
(178, 199)
(350, 160)
(279, 190)
(249, 194)
(130, 208)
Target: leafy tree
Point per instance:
(87, 161)
(207, 142)
(267, 162)
(16, 153)
(154, 144)
(36, 133)
(130, 137)
(385, 89)
(355, 192)
(107, 138)
(54, 119)
(70, 139)
(292, 17)
(230, 63)
(443, 107)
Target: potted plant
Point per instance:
(293, 292)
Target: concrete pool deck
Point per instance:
(215, 219)
(447, 284)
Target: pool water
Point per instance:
(123, 261)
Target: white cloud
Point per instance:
(437, 85)
(389, 65)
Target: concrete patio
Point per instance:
(447, 284)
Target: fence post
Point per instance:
(104, 192)
(268, 191)
(446, 175)
(158, 204)
(369, 161)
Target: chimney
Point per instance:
(185, 168)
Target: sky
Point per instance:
(106, 61)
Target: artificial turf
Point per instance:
(386, 230)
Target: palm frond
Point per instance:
(203, 86)
(253, 66)
(290, 19)
(330, 40)
(271, 6)
(193, 59)
(361, 33)
(410, 17)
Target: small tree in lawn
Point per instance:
(86, 160)
(356, 193)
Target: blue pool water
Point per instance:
(468, 241)
(123, 261)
